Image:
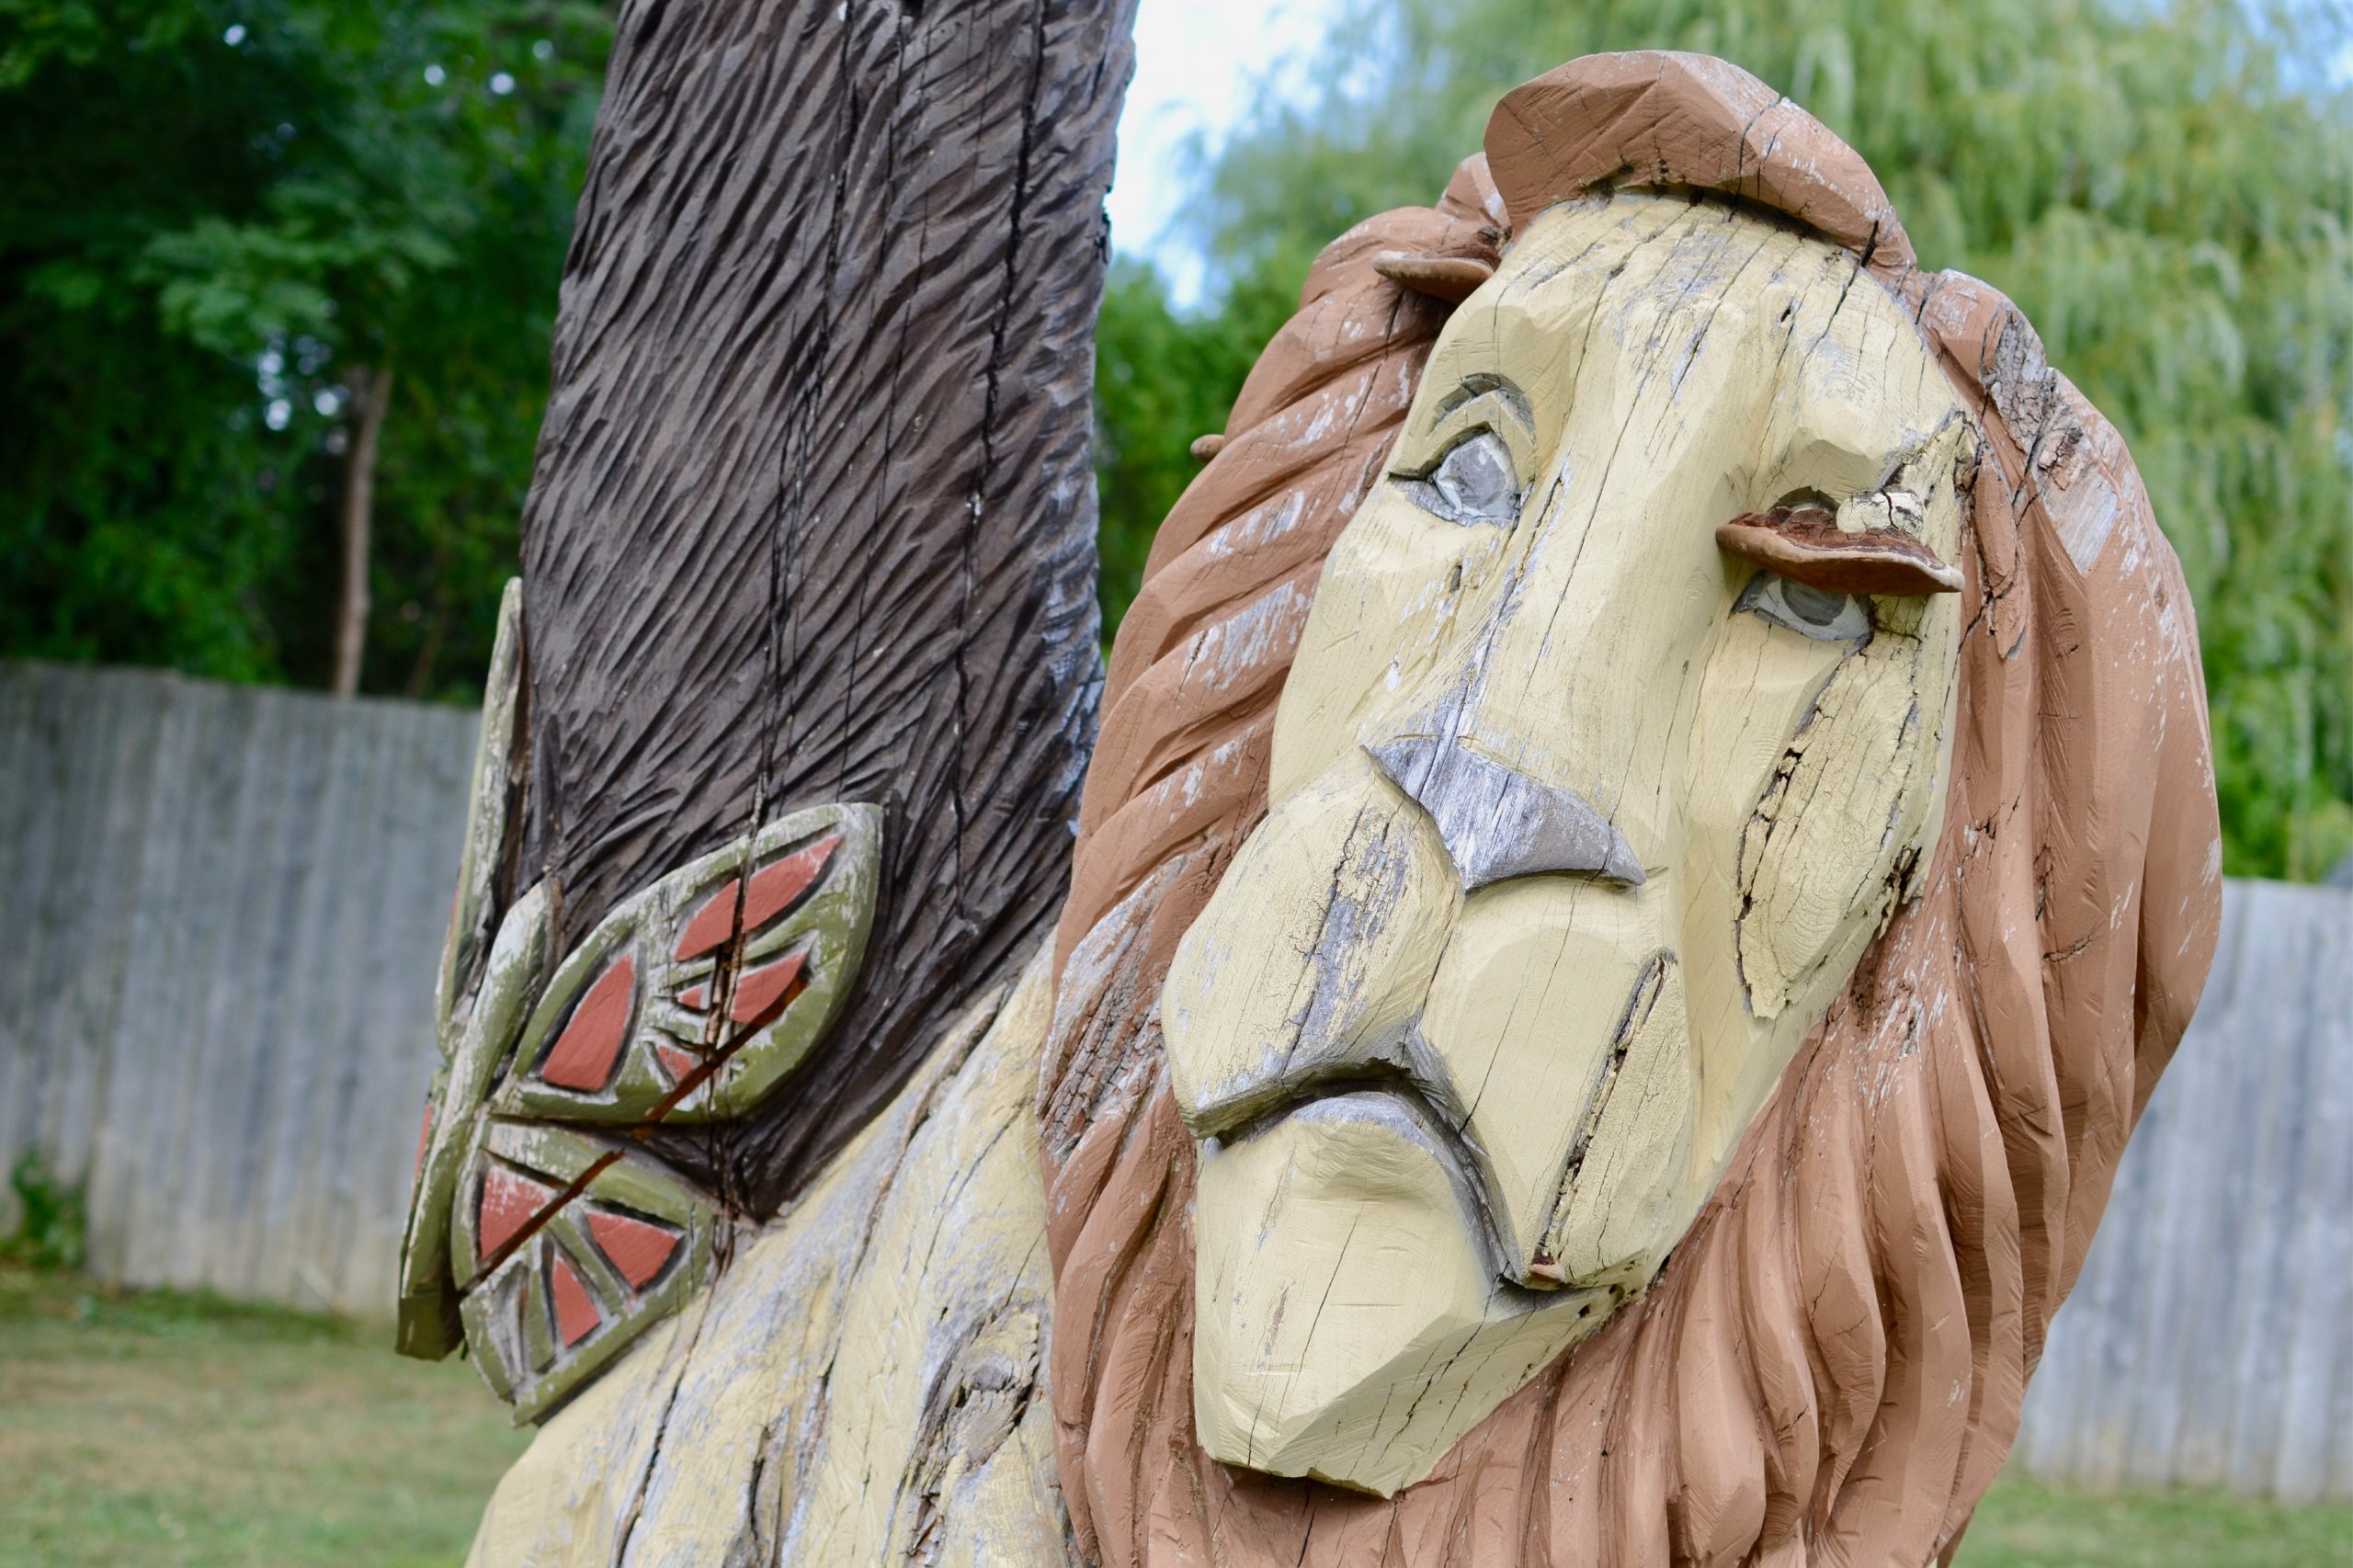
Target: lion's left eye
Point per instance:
(1476, 482)
(1810, 612)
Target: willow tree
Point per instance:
(2166, 189)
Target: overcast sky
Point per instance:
(1200, 64)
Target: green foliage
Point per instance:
(52, 1223)
(1162, 378)
(2166, 187)
(212, 213)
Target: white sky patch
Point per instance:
(1200, 67)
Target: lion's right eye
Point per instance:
(1809, 612)
(1473, 484)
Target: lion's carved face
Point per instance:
(1351, 1014)
(1618, 729)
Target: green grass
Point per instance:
(164, 1430)
(2023, 1524)
(159, 1429)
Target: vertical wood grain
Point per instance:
(215, 1009)
(2209, 1340)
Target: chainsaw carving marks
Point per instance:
(547, 1250)
(1516, 954)
(573, 1250)
(692, 1001)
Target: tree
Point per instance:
(238, 241)
(1162, 378)
(2166, 189)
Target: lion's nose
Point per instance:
(1496, 822)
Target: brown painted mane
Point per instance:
(1830, 1368)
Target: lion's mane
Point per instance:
(1830, 1368)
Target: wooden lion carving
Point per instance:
(1651, 833)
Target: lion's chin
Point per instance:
(1349, 1324)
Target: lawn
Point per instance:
(167, 1429)
(173, 1430)
(2023, 1524)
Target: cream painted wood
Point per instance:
(1466, 1039)
(1365, 1201)
(863, 1383)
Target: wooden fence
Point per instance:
(223, 910)
(2210, 1341)
(224, 907)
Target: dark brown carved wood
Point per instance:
(813, 519)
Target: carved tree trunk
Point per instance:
(371, 391)
(813, 519)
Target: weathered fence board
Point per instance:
(225, 906)
(2210, 1341)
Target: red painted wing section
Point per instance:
(591, 1043)
(509, 1202)
(638, 1247)
(765, 991)
(576, 1316)
(712, 924)
(776, 888)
